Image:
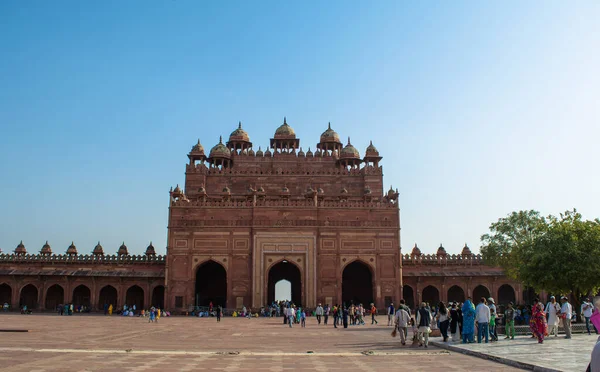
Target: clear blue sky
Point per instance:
(478, 108)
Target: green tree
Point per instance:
(511, 239)
(556, 254)
(566, 259)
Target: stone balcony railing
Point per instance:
(81, 259)
(298, 203)
(448, 259)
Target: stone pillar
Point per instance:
(15, 305)
(147, 294)
(41, 297)
(519, 294)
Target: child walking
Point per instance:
(303, 318)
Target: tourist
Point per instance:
(110, 309)
(5, 307)
(335, 316)
(454, 328)
(586, 311)
(401, 319)
(538, 320)
(151, 315)
(298, 315)
(326, 314)
(345, 317)
(219, 312)
(468, 323)
(319, 313)
(482, 317)
(373, 314)
(444, 320)
(352, 314)
(291, 315)
(494, 313)
(407, 309)
(509, 322)
(390, 313)
(566, 311)
(552, 309)
(415, 332)
(424, 319)
(303, 318)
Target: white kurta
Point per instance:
(551, 311)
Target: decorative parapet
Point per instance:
(435, 259)
(307, 203)
(303, 169)
(79, 259)
(281, 223)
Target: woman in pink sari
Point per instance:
(538, 321)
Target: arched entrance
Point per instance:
(478, 292)
(55, 295)
(285, 270)
(506, 294)
(431, 295)
(211, 284)
(408, 296)
(357, 284)
(5, 294)
(81, 296)
(158, 296)
(135, 296)
(29, 297)
(108, 296)
(456, 294)
(283, 290)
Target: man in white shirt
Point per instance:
(566, 311)
(586, 311)
(482, 317)
(319, 313)
(552, 309)
(401, 319)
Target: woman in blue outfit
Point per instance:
(468, 324)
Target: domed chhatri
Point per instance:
(260, 152)
(122, 250)
(197, 154)
(20, 249)
(220, 155)
(72, 249)
(466, 251)
(415, 251)
(441, 251)
(349, 156)
(46, 249)
(239, 140)
(284, 131)
(330, 140)
(98, 250)
(284, 140)
(372, 156)
(150, 251)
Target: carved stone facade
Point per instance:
(250, 211)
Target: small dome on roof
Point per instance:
(150, 250)
(122, 250)
(46, 249)
(177, 190)
(259, 152)
(309, 154)
(268, 152)
(21, 248)
(466, 251)
(239, 134)
(330, 135)
(197, 149)
(250, 152)
(349, 151)
(72, 249)
(416, 251)
(301, 153)
(98, 250)
(285, 131)
(371, 150)
(220, 150)
(441, 251)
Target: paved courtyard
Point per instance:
(98, 343)
(555, 354)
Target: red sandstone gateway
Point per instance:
(247, 219)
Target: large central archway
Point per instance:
(29, 297)
(135, 296)
(357, 284)
(108, 296)
(211, 284)
(82, 296)
(285, 270)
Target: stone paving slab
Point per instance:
(555, 354)
(98, 343)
